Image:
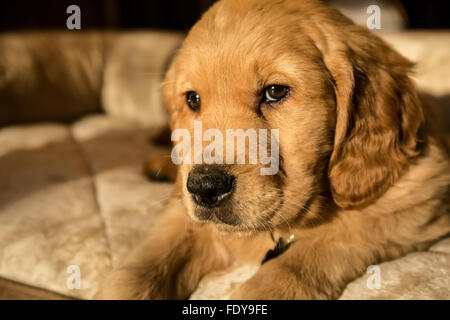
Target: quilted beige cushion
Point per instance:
(419, 275)
(73, 196)
(119, 72)
(135, 66)
(49, 217)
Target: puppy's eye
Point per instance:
(193, 100)
(275, 93)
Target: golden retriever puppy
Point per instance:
(364, 167)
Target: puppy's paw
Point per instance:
(131, 284)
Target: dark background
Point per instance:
(163, 14)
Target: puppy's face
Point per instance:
(241, 74)
(251, 65)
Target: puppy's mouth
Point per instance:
(219, 215)
(211, 201)
(233, 217)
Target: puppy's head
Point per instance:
(344, 111)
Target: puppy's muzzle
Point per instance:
(210, 186)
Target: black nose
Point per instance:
(209, 186)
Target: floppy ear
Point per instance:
(379, 116)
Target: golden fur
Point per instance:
(366, 168)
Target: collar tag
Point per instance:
(280, 246)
